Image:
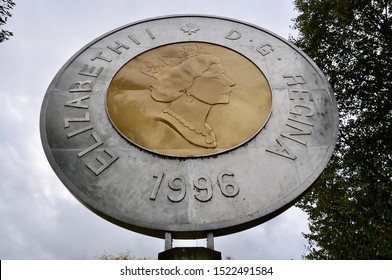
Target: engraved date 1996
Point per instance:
(201, 186)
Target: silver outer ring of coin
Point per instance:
(136, 189)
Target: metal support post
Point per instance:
(168, 241)
(210, 240)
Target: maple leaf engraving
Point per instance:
(190, 28)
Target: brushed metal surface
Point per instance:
(151, 193)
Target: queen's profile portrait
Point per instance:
(192, 88)
(188, 99)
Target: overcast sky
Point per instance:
(39, 218)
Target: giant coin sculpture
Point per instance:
(189, 125)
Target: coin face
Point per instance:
(189, 99)
(170, 125)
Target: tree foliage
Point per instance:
(123, 256)
(350, 205)
(5, 7)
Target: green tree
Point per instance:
(350, 205)
(5, 7)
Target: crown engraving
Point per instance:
(163, 63)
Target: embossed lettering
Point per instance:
(177, 184)
(90, 72)
(134, 40)
(98, 142)
(105, 163)
(99, 56)
(302, 121)
(299, 121)
(77, 103)
(203, 186)
(300, 112)
(305, 109)
(265, 49)
(293, 80)
(117, 48)
(79, 131)
(81, 86)
(233, 35)
(157, 185)
(300, 95)
(282, 150)
(293, 135)
(68, 120)
(150, 33)
(137, 42)
(228, 187)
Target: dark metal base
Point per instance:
(190, 253)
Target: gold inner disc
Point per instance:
(189, 99)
